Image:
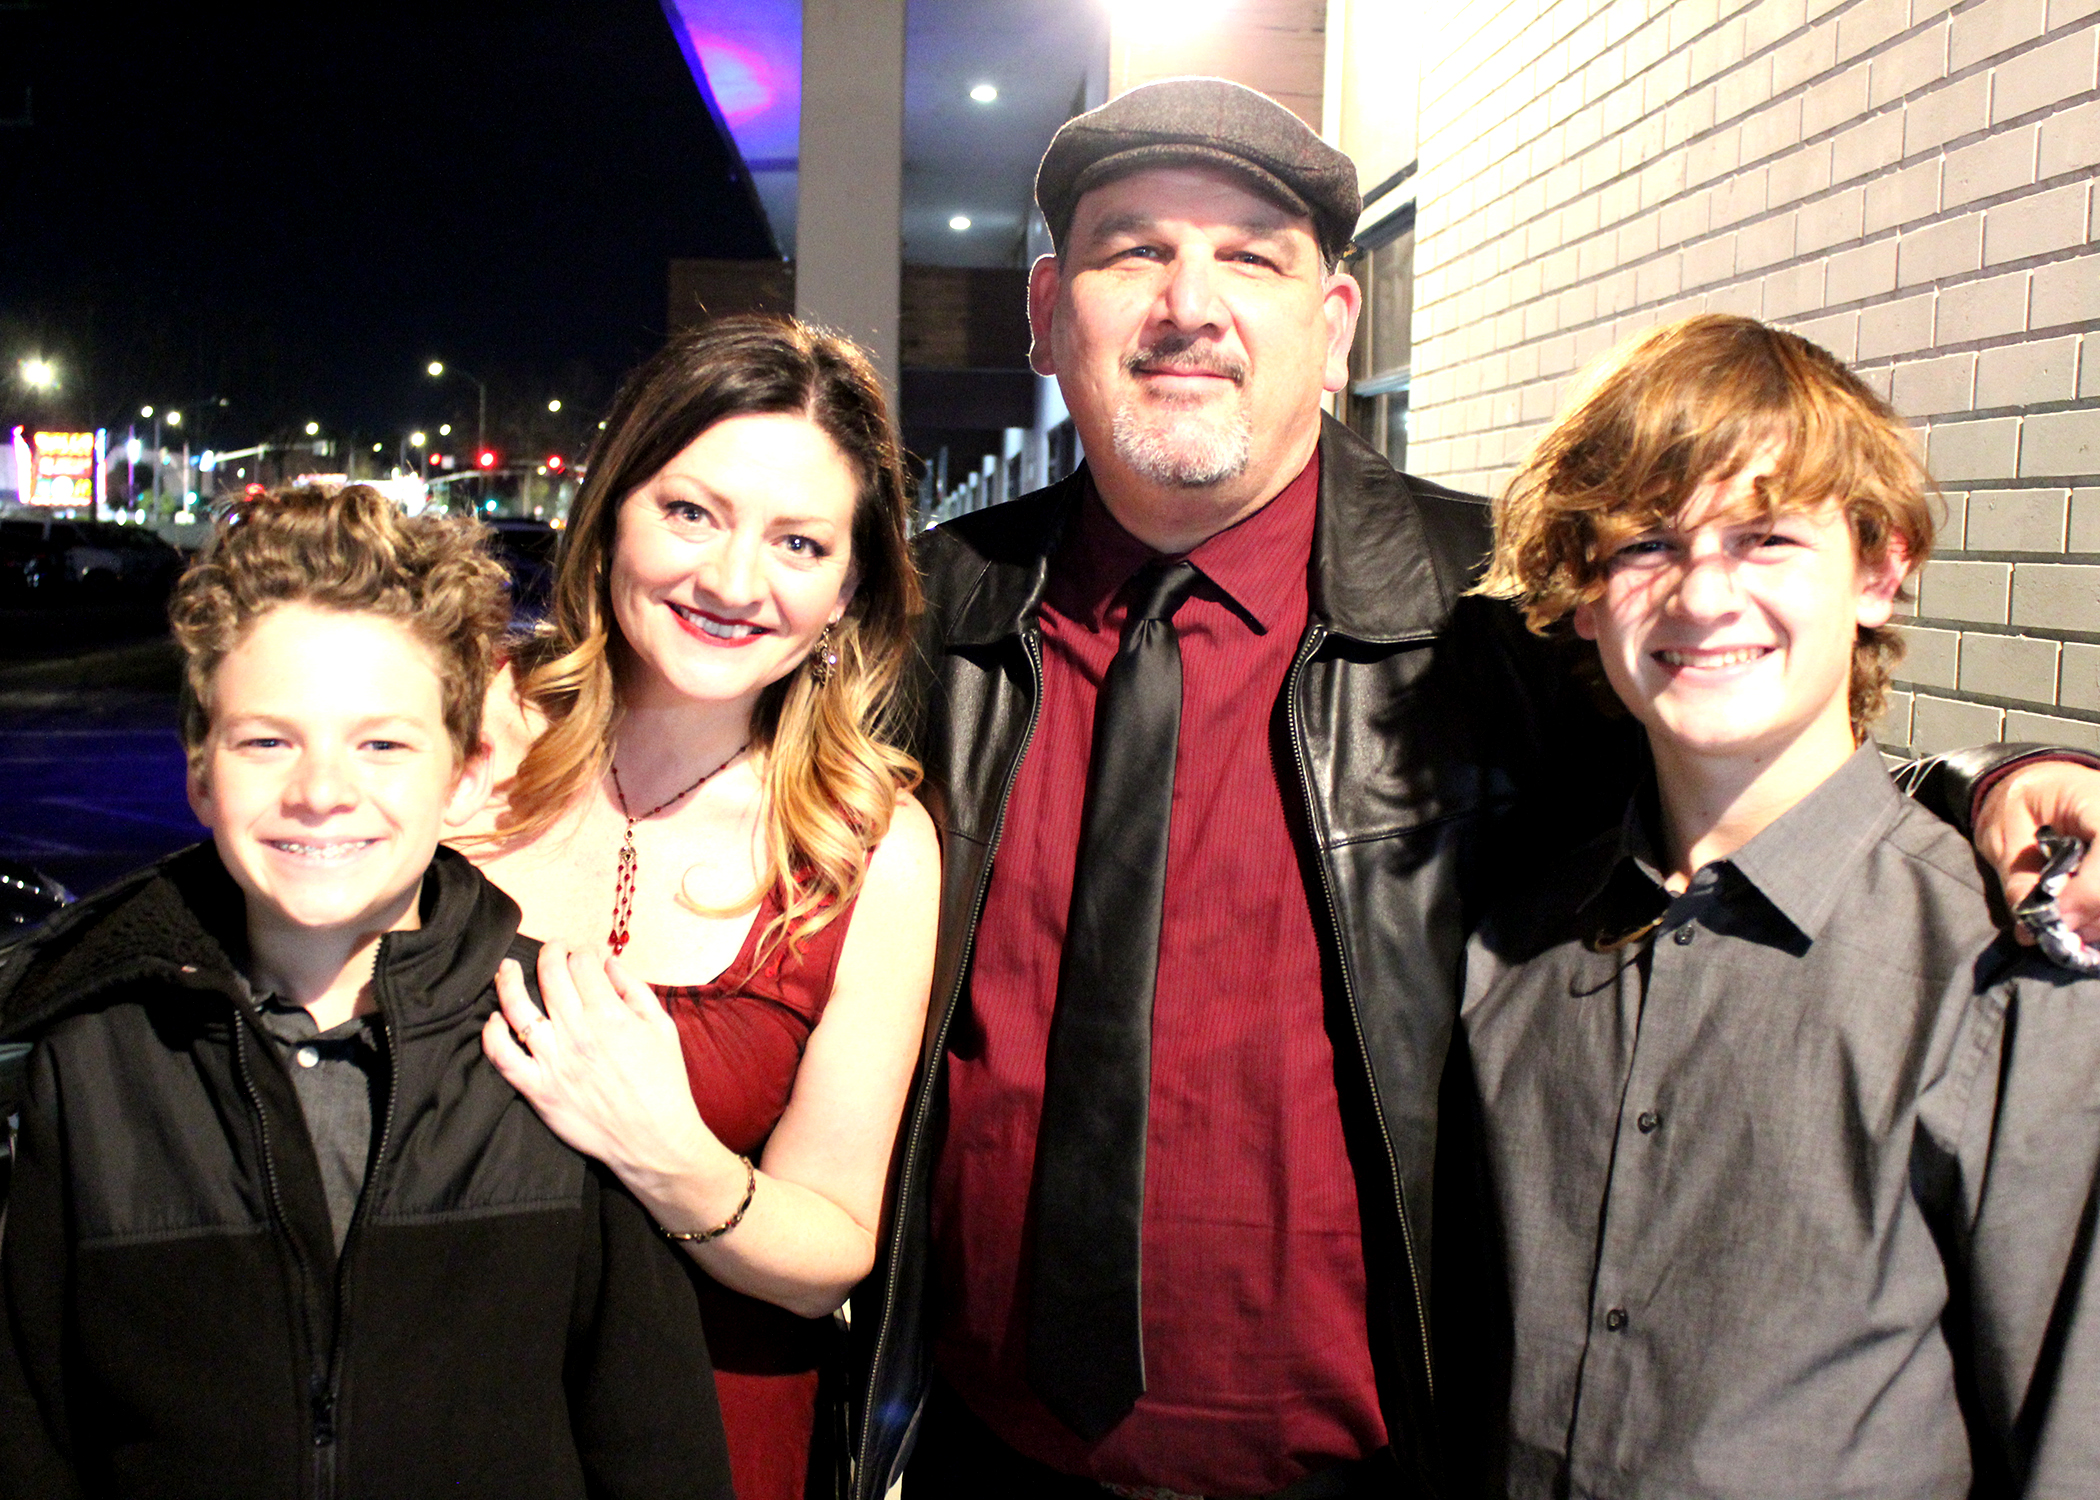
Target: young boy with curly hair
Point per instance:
(277, 1227)
(1792, 1158)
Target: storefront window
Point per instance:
(1384, 265)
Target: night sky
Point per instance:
(298, 205)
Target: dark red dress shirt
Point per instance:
(1256, 1352)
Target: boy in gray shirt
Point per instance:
(1792, 1156)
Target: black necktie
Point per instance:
(1086, 1354)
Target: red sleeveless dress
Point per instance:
(743, 1033)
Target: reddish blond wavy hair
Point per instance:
(1691, 401)
(833, 772)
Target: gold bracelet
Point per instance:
(702, 1236)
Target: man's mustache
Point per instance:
(1182, 358)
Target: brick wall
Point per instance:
(1909, 183)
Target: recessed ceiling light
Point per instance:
(985, 93)
(959, 223)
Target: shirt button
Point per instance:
(1615, 1319)
(1647, 1120)
(307, 1057)
(1683, 935)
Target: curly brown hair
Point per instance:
(1695, 400)
(352, 550)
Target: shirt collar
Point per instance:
(1618, 878)
(1802, 861)
(1257, 564)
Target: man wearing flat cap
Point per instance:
(1224, 763)
(1204, 803)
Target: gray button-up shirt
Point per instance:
(1788, 1169)
(340, 1076)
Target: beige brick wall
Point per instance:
(1909, 183)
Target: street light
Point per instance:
(160, 464)
(39, 374)
(555, 404)
(438, 368)
(313, 429)
(172, 417)
(418, 439)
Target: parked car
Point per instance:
(27, 896)
(30, 568)
(96, 554)
(526, 548)
(144, 557)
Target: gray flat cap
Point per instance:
(1203, 122)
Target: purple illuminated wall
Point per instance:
(746, 55)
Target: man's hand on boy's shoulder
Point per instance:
(2059, 793)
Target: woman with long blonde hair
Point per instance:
(708, 830)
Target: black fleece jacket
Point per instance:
(502, 1321)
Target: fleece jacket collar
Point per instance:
(180, 921)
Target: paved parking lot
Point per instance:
(90, 763)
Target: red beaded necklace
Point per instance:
(623, 882)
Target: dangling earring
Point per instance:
(822, 659)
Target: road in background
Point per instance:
(91, 772)
(91, 769)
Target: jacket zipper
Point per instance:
(329, 1386)
(1032, 641)
(1313, 638)
(320, 1405)
(322, 1387)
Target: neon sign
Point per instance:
(61, 469)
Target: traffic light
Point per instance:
(486, 458)
(554, 463)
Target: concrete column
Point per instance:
(849, 213)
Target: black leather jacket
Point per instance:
(1428, 737)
